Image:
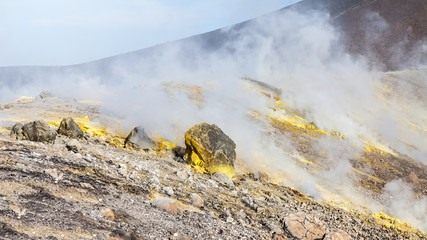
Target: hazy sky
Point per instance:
(62, 32)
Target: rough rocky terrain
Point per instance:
(100, 191)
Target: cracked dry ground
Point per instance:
(104, 192)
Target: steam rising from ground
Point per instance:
(300, 54)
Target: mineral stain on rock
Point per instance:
(209, 149)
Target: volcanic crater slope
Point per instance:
(104, 192)
(99, 190)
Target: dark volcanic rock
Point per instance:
(179, 152)
(8, 233)
(138, 139)
(39, 131)
(17, 132)
(209, 148)
(69, 128)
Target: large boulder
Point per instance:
(38, 131)
(69, 128)
(138, 139)
(304, 227)
(209, 149)
(17, 132)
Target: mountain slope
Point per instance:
(389, 33)
(297, 90)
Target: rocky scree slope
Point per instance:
(98, 191)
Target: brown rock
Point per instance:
(182, 174)
(38, 131)
(337, 235)
(69, 128)
(279, 237)
(413, 178)
(108, 214)
(167, 204)
(304, 227)
(196, 200)
(295, 227)
(54, 173)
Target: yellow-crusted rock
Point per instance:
(209, 149)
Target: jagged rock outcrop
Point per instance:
(70, 128)
(37, 131)
(138, 139)
(210, 149)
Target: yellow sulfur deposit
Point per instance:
(386, 220)
(224, 169)
(164, 145)
(367, 175)
(296, 124)
(380, 150)
(199, 165)
(86, 125)
(95, 130)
